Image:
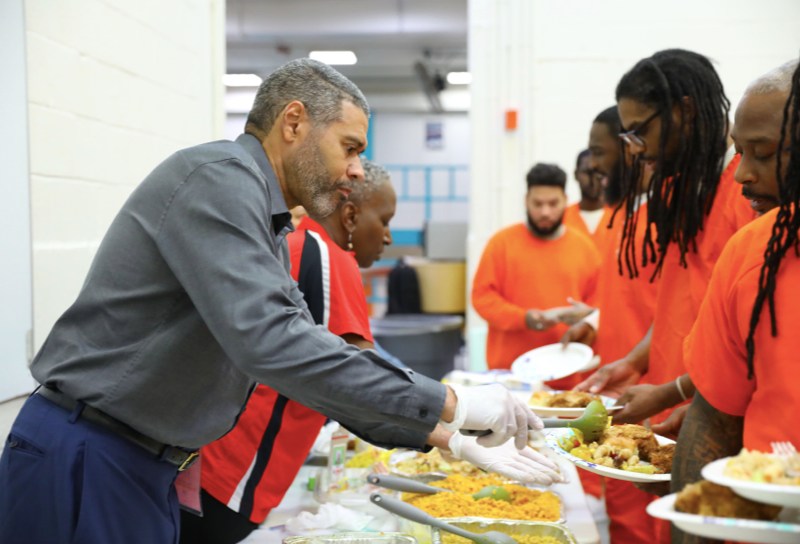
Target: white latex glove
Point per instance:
(493, 408)
(527, 465)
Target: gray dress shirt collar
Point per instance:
(282, 217)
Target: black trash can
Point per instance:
(426, 343)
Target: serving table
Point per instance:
(299, 499)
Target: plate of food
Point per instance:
(429, 466)
(624, 452)
(566, 403)
(708, 510)
(757, 476)
(554, 361)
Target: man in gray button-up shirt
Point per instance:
(189, 301)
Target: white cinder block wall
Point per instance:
(558, 63)
(113, 88)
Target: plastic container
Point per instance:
(510, 527)
(425, 343)
(352, 538)
(442, 286)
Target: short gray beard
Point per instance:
(310, 180)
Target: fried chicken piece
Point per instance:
(708, 499)
(661, 458)
(571, 399)
(646, 442)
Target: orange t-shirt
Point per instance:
(627, 305)
(682, 289)
(573, 219)
(519, 271)
(715, 353)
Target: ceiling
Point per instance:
(388, 36)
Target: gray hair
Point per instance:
(319, 87)
(375, 176)
(776, 80)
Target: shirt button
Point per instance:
(423, 412)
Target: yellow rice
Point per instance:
(525, 504)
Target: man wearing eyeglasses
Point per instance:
(626, 307)
(674, 116)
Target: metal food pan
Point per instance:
(352, 538)
(510, 527)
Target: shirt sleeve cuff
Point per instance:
(593, 319)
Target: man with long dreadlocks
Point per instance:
(674, 114)
(742, 350)
(626, 307)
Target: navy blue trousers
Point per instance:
(66, 481)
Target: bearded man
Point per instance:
(529, 267)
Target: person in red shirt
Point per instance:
(246, 473)
(529, 267)
(585, 215)
(742, 350)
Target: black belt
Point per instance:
(179, 457)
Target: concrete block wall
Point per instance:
(558, 64)
(113, 88)
(581, 48)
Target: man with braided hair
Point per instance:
(626, 305)
(674, 115)
(742, 350)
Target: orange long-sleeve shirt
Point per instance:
(573, 219)
(627, 305)
(682, 289)
(519, 271)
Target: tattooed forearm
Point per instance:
(706, 435)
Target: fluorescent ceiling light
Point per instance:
(334, 57)
(459, 78)
(241, 80)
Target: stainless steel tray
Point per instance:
(510, 527)
(352, 538)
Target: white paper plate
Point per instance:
(618, 474)
(554, 361)
(740, 530)
(547, 411)
(781, 495)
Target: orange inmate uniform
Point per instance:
(682, 289)
(573, 219)
(715, 352)
(519, 271)
(627, 306)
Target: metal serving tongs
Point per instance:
(405, 510)
(592, 422)
(407, 485)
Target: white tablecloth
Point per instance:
(298, 499)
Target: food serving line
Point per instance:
(578, 517)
